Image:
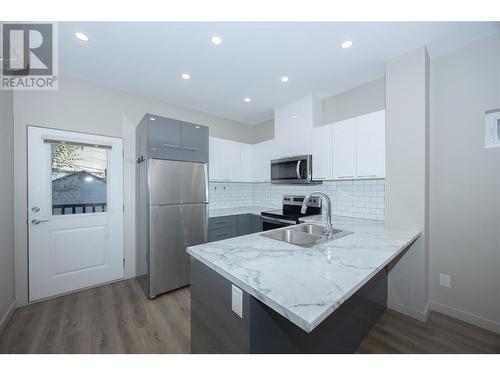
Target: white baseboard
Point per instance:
(5, 319)
(412, 313)
(476, 320)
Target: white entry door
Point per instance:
(75, 211)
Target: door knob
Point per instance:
(36, 221)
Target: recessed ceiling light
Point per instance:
(347, 44)
(284, 79)
(89, 179)
(152, 118)
(247, 100)
(216, 40)
(83, 37)
(185, 76)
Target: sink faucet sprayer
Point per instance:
(328, 228)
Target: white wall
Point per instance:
(407, 95)
(263, 131)
(86, 107)
(465, 184)
(367, 98)
(7, 295)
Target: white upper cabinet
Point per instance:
(230, 160)
(322, 153)
(263, 152)
(370, 145)
(344, 149)
(224, 159)
(349, 149)
(246, 163)
(293, 124)
(359, 147)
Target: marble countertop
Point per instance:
(256, 210)
(306, 285)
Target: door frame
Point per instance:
(26, 185)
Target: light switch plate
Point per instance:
(492, 128)
(444, 280)
(237, 300)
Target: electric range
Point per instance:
(290, 213)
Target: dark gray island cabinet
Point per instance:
(215, 328)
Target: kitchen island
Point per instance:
(318, 299)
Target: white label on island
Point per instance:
(237, 300)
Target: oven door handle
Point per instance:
(298, 169)
(277, 221)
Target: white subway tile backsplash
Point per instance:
(359, 198)
(230, 195)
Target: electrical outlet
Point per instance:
(237, 301)
(444, 280)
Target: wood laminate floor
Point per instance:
(116, 318)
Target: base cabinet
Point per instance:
(224, 227)
(215, 328)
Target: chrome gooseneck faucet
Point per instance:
(328, 228)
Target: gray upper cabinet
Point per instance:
(194, 137)
(164, 136)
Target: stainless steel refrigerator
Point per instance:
(172, 214)
(177, 215)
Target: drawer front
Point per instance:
(221, 222)
(221, 234)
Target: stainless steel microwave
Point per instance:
(292, 170)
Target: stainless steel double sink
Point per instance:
(304, 234)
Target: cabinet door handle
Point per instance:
(171, 145)
(367, 175)
(190, 148)
(298, 169)
(346, 176)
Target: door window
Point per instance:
(79, 179)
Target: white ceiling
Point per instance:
(149, 58)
